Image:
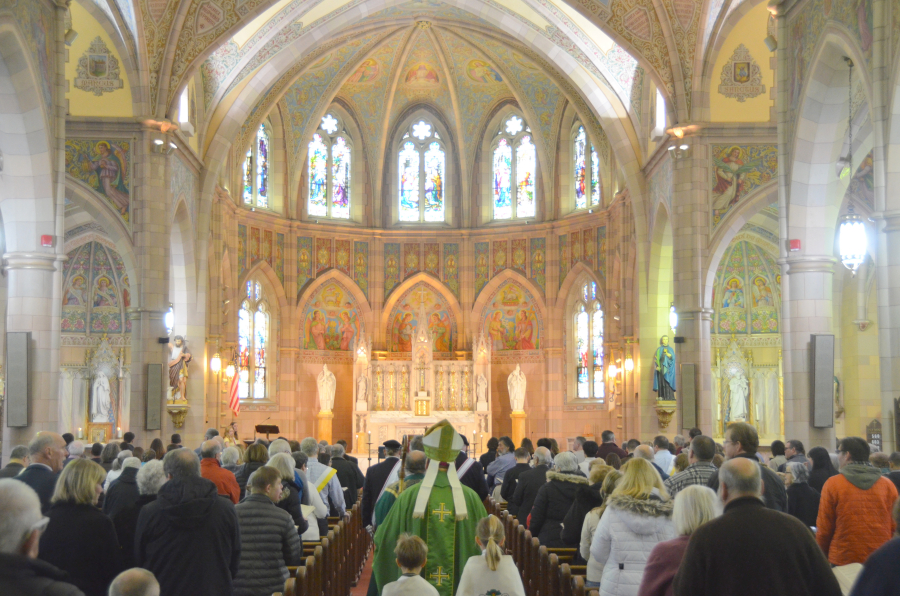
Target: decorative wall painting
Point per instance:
(330, 320)
(105, 166)
(404, 319)
(738, 170)
(511, 321)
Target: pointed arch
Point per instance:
(572, 280)
(509, 292)
(265, 272)
(306, 303)
(438, 288)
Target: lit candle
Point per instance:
(80, 436)
(119, 432)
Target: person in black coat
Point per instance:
(586, 498)
(150, 479)
(348, 474)
(529, 484)
(554, 500)
(491, 454)
(742, 441)
(47, 452)
(123, 492)
(18, 459)
(822, 468)
(255, 457)
(511, 478)
(80, 539)
(376, 478)
(289, 500)
(473, 475)
(802, 499)
(188, 537)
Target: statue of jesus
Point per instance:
(179, 357)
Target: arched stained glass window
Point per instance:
(588, 322)
(421, 174)
(253, 339)
(256, 170)
(586, 168)
(510, 167)
(329, 159)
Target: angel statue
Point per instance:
(515, 384)
(326, 383)
(731, 177)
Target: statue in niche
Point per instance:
(739, 391)
(179, 358)
(480, 389)
(101, 404)
(327, 384)
(362, 388)
(664, 375)
(515, 384)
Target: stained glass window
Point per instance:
(248, 177)
(421, 174)
(409, 182)
(318, 172)
(502, 180)
(595, 177)
(519, 167)
(580, 169)
(262, 168)
(330, 124)
(589, 356)
(253, 339)
(434, 183)
(340, 175)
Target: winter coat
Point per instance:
(189, 538)
(751, 550)
(880, 576)
(625, 536)
(243, 475)
(818, 478)
(586, 498)
(774, 493)
(551, 505)
(24, 576)
(290, 502)
(797, 459)
(892, 476)
(11, 470)
(42, 480)
(855, 514)
(81, 540)
(351, 479)
(269, 543)
(776, 462)
(122, 493)
(125, 523)
(803, 503)
(527, 488)
(511, 479)
(588, 529)
(225, 481)
(662, 564)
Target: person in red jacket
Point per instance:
(855, 509)
(211, 469)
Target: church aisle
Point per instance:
(363, 586)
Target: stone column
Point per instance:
(888, 287)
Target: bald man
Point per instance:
(211, 469)
(786, 559)
(646, 452)
(47, 451)
(414, 473)
(134, 582)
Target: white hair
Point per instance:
(542, 456)
(279, 446)
(566, 462)
(123, 455)
(284, 463)
(75, 448)
(21, 510)
(131, 462)
(309, 447)
(337, 450)
(231, 456)
(151, 477)
(799, 471)
(694, 506)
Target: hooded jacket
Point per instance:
(625, 536)
(586, 499)
(551, 505)
(189, 538)
(122, 493)
(855, 514)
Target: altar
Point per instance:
(398, 394)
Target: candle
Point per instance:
(80, 436)
(119, 432)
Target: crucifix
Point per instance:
(421, 368)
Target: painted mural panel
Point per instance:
(323, 254)
(105, 166)
(412, 262)
(747, 295)
(361, 266)
(304, 261)
(279, 257)
(587, 237)
(255, 240)
(576, 247)
(482, 265)
(267, 247)
(404, 319)
(511, 321)
(242, 250)
(433, 259)
(343, 252)
(738, 170)
(330, 319)
(391, 267)
(501, 256)
(451, 268)
(601, 250)
(563, 258)
(539, 262)
(519, 255)
(96, 291)
(77, 272)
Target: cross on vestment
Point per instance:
(442, 511)
(439, 575)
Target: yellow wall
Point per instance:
(750, 31)
(85, 103)
(861, 370)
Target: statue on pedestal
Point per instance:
(480, 389)
(179, 358)
(326, 383)
(362, 388)
(101, 404)
(515, 384)
(664, 373)
(739, 390)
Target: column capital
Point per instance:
(32, 260)
(891, 220)
(809, 264)
(702, 314)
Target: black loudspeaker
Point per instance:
(821, 382)
(154, 396)
(18, 378)
(688, 395)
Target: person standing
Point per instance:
(349, 476)
(470, 471)
(700, 470)
(492, 572)
(794, 452)
(529, 484)
(491, 454)
(211, 469)
(18, 461)
(608, 445)
(378, 477)
(508, 488)
(46, 451)
(497, 469)
(803, 500)
(741, 442)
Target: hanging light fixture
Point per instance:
(229, 371)
(215, 363)
(852, 240)
(673, 317)
(629, 364)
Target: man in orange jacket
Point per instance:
(855, 508)
(211, 469)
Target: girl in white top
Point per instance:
(492, 572)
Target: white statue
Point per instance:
(327, 384)
(739, 390)
(480, 389)
(516, 386)
(101, 406)
(362, 388)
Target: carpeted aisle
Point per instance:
(363, 586)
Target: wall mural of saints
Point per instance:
(737, 171)
(511, 320)
(95, 291)
(330, 320)
(404, 320)
(104, 166)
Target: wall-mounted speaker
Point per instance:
(154, 396)
(821, 382)
(18, 378)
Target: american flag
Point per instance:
(233, 402)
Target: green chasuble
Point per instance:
(450, 542)
(389, 497)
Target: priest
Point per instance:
(440, 510)
(378, 477)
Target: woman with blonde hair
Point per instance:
(694, 506)
(492, 572)
(589, 526)
(79, 538)
(255, 457)
(637, 517)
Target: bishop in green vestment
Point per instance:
(445, 518)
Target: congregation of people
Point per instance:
(684, 517)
